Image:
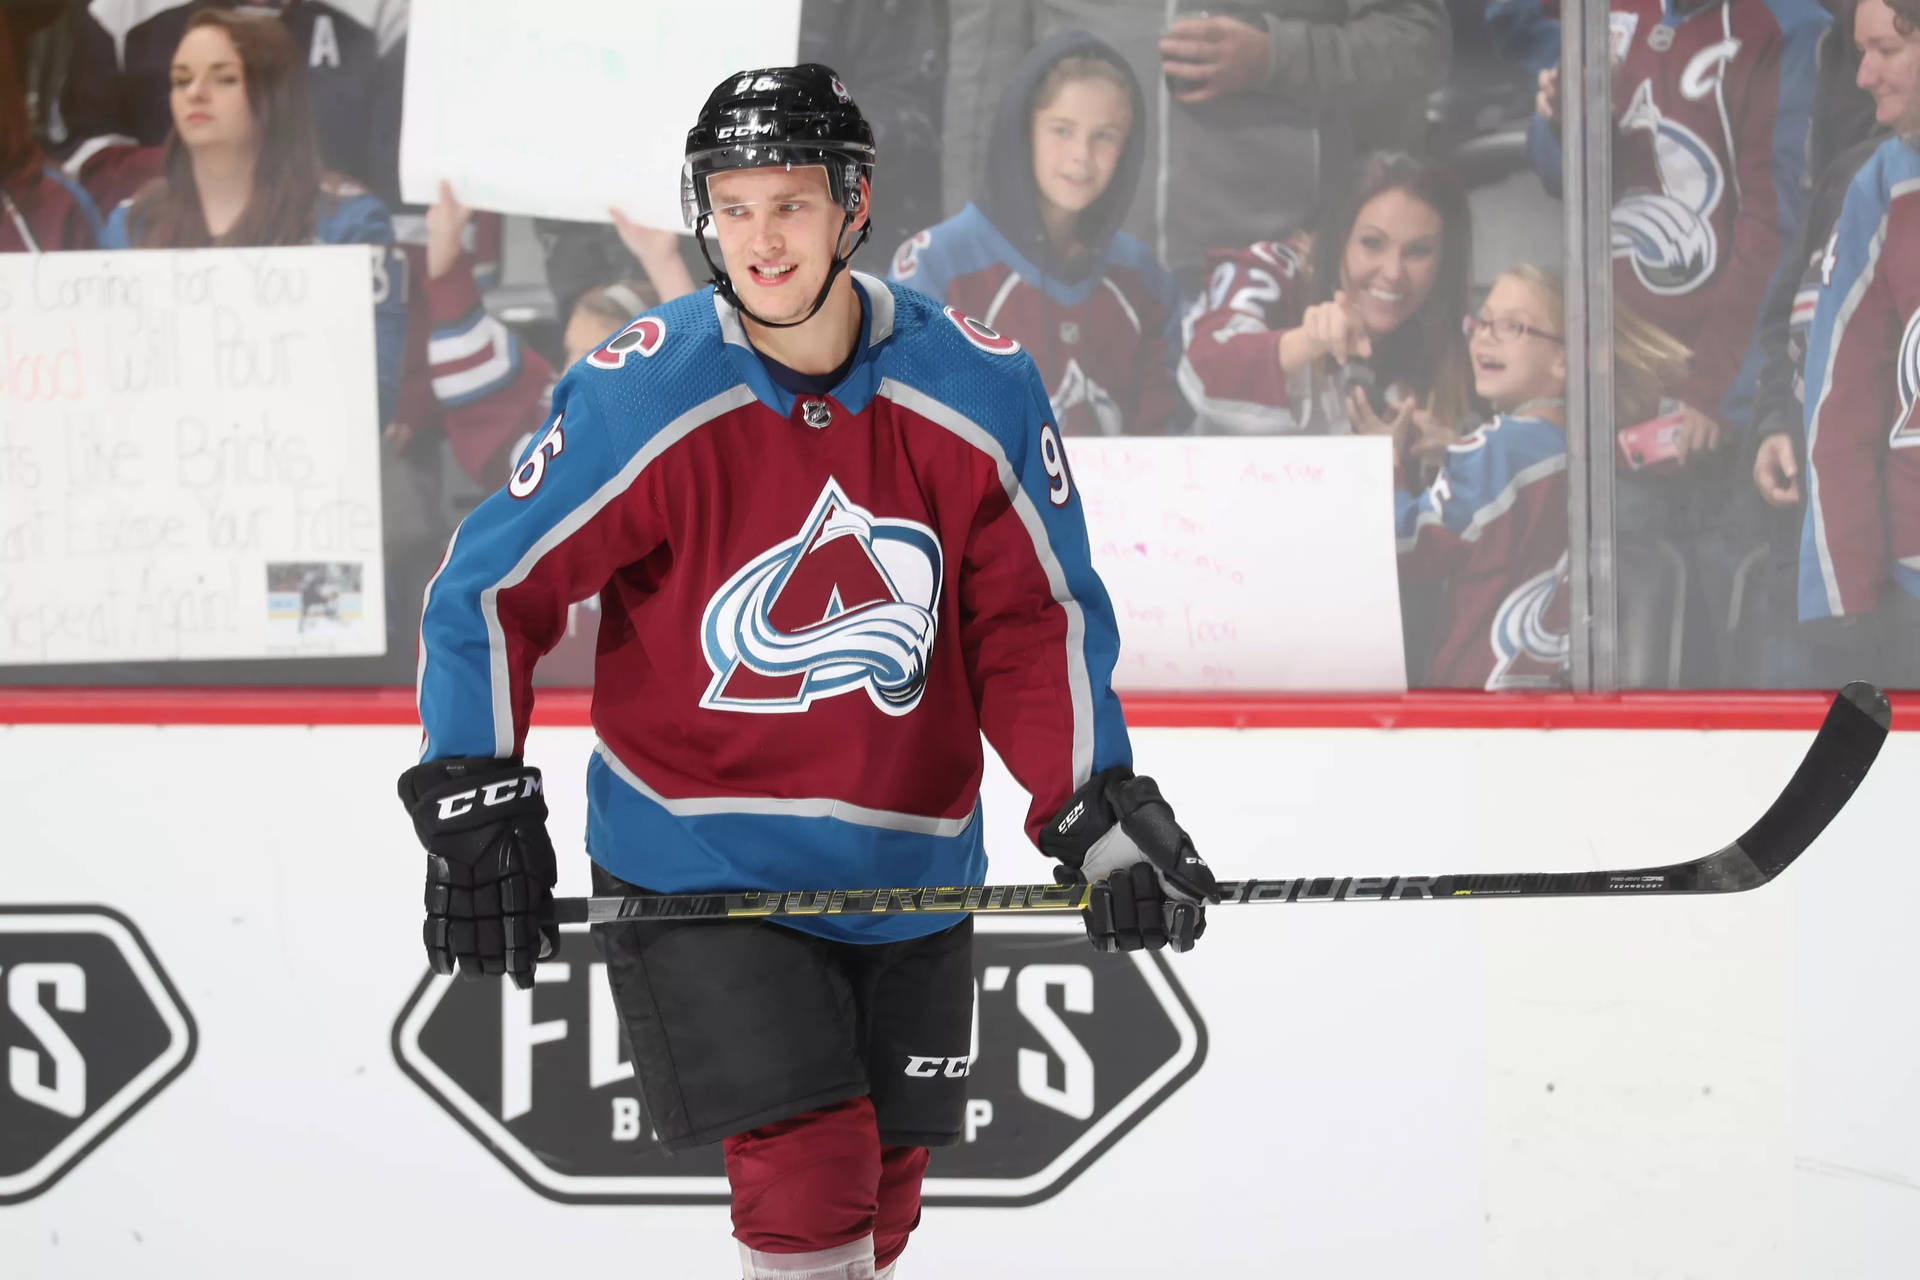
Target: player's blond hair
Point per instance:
(1648, 362)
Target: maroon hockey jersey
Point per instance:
(1712, 110)
(1490, 534)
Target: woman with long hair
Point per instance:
(1352, 327)
(241, 167)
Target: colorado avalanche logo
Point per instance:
(1669, 234)
(643, 335)
(1906, 432)
(847, 603)
(1530, 634)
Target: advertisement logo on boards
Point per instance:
(92, 1029)
(1071, 1050)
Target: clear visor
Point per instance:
(729, 197)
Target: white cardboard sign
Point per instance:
(603, 93)
(1248, 564)
(189, 456)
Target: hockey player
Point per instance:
(1293, 336)
(1041, 257)
(1491, 530)
(836, 539)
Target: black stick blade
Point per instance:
(1835, 766)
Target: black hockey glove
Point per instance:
(490, 866)
(1150, 888)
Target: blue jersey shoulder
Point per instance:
(658, 366)
(962, 364)
(1799, 18)
(346, 213)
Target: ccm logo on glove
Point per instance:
(507, 789)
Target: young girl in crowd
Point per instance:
(240, 167)
(1354, 328)
(1489, 536)
(1041, 257)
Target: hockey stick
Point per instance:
(1833, 769)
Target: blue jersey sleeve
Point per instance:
(1479, 479)
(553, 536)
(1039, 630)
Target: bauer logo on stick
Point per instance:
(92, 1030)
(1070, 1051)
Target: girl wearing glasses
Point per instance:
(1487, 539)
(1354, 328)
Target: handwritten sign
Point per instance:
(1247, 564)
(603, 93)
(189, 456)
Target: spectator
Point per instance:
(45, 208)
(1311, 335)
(489, 390)
(1860, 548)
(240, 167)
(1256, 110)
(1712, 114)
(354, 52)
(1041, 257)
(1887, 71)
(1491, 530)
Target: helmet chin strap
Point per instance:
(723, 284)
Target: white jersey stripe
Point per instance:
(1079, 685)
(727, 401)
(807, 807)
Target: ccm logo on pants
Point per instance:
(953, 1067)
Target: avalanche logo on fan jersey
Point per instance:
(1669, 234)
(1530, 634)
(1906, 432)
(847, 603)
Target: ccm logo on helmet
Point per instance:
(644, 335)
(493, 793)
(981, 336)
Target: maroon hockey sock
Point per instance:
(901, 1169)
(808, 1182)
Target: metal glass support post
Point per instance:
(1586, 119)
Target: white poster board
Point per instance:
(189, 456)
(563, 108)
(1247, 564)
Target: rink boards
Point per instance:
(1704, 1087)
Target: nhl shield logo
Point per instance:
(847, 603)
